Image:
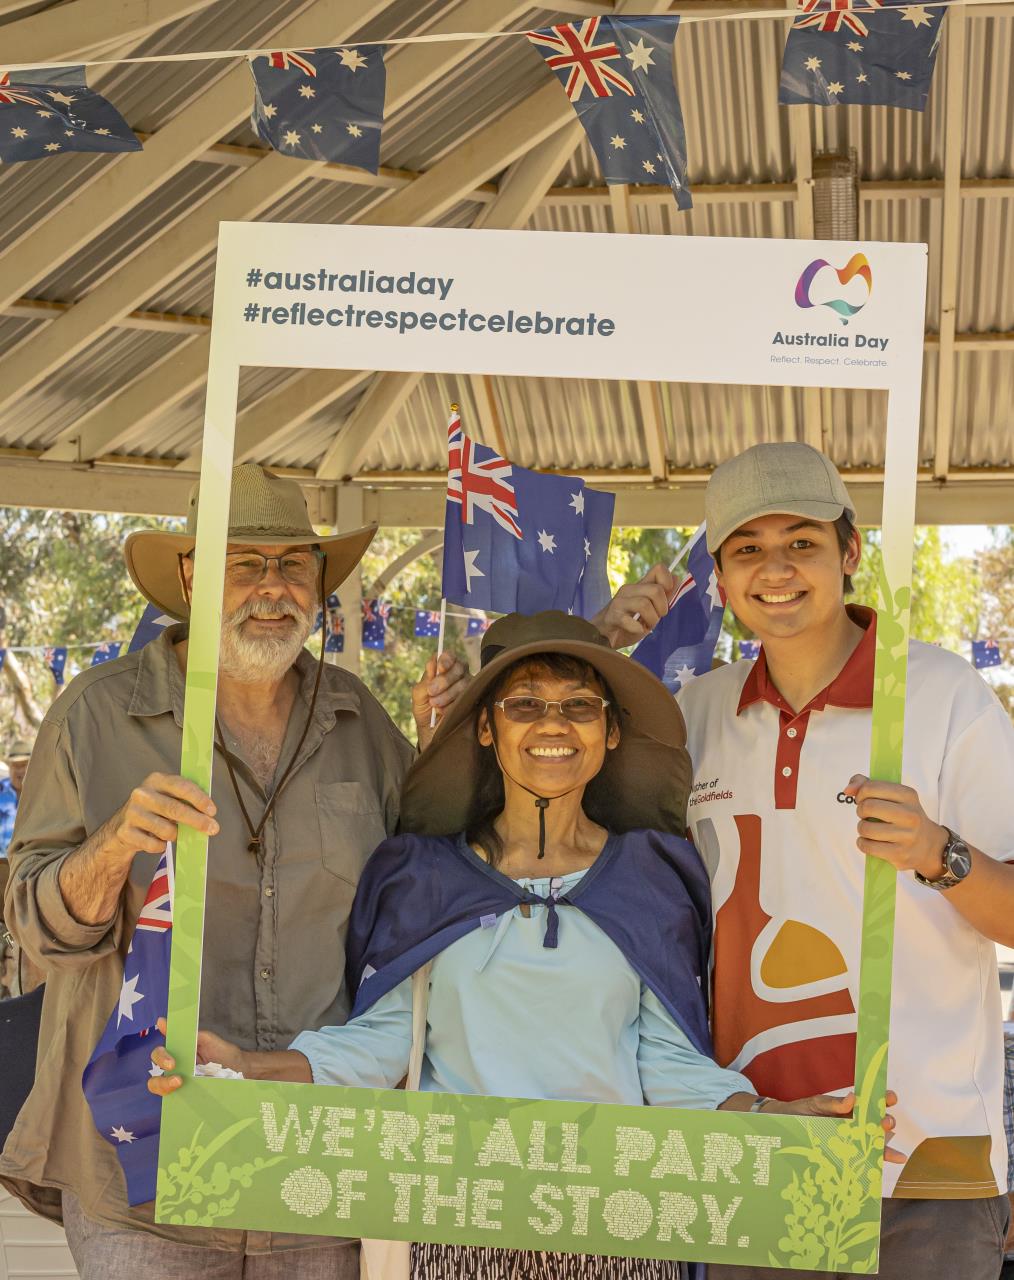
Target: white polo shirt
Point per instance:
(778, 835)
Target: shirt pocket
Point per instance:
(351, 827)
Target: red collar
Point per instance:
(851, 687)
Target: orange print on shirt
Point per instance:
(798, 955)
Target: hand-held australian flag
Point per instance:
(115, 1081)
(682, 645)
(618, 75)
(867, 52)
(322, 104)
(985, 653)
(515, 540)
(427, 623)
(48, 111)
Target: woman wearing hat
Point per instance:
(544, 887)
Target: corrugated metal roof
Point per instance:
(727, 75)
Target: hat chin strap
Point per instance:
(541, 802)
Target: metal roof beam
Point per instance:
(168, 255)
(62, 32)
(954, 123)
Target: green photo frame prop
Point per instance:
(520, 1173)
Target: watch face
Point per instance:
(957, 860)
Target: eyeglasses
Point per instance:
(247, 568)
(581, 709)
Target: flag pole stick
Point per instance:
(679, 556)
(440, 649)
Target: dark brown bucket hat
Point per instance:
(645, 780)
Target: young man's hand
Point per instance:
(893, 825)
(636, 608)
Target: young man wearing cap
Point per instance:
(784, 815)
(307, 776)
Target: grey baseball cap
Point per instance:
(773, 479)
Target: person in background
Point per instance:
(1008, 1123)
(16, 759)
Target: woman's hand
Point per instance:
(210, 1048)
(824, 1104)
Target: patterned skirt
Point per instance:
(468, 1262)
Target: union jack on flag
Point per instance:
(475, 485)
(375, 615)
(815, 13)
(9, 94)
(291, 60)
(50, 110)
(576, 50)
(157, 910)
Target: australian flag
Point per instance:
(152, 623)
(682, 645)
(477, 626)
(334, 637)
(985, 653)
(48, 111)
(618, 75)
(322, 104)
(115, 1081)
(375, 616)
(749, 649)
(868, 52)
(106, 652)
(427, 623)
(55, 658)
(515, 540)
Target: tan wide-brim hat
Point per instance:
(264, 510)
(790, 479)
(645, 780)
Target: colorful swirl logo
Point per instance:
(857, 265)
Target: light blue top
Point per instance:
(509, 1017)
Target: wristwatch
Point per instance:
(957, 862)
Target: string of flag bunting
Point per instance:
(327, 104)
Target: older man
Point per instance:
(306, 785)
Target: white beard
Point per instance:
(265, 659)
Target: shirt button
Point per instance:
(791, 733)
(787, 772)
(265, 974)
(269, 892)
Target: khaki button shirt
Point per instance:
(274, 949)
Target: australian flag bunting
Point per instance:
(334, 636)
(55, 658)
(46, 112)
(427, 623)
(322, 104)
(151, 625)
(618, 75)
(106, 652)
(749, 649)
(115, 1081)
(864, 52)
(375, 616)
(682, 645)
(477, 626)
(514, 540)
(985, 653)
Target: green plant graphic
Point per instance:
(835, 1202)
(192, 1195)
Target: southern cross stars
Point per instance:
(351, 58)
(270, 110)
(684, 675)
(617, 142)
(18, 132)
(917, 15)
(637, 116)
(577, 502)
(903, 75)
(640, 56)
(63, 97)
(836, 86)
(306, 91)
(855, 46)
(546, 541)
(129, 996)
(122, 1135)
(812, 64)
(291, 138)
(354, 130)
(472, 570)
(648, 166)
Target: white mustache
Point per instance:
(264, 609)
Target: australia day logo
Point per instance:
(815, 286)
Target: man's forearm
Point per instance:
(93, 876)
